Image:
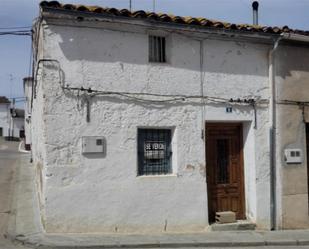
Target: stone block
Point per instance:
(225, 217)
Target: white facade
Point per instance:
(18, 125)
(4, 118)
(89, 193)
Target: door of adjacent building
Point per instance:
(224, 166)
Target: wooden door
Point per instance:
(224, 165)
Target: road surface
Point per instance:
(9, 157)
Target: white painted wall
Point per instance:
(4, 118)
(103, 194)
(18, 125)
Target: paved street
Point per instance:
(9, 156)
(7, 168)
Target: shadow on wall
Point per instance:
(292, 70)
(291, 59)
(226, 57)
(95, 155)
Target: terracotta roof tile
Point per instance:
(141, 14)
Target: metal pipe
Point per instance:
(202, 89)
(272, 137)
(255, 7)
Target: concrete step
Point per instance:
(240, 225)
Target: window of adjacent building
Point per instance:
(154, 152)
(157, 49)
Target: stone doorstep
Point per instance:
(240, 225)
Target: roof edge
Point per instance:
(166, 18)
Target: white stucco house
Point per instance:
(4, 116)
(145, 122)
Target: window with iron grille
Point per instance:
(157, 49)
(154, 152)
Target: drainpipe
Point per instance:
(203, 135)
(272, 136)
(273, 120)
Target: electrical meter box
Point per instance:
(93, 145)
(293, 155)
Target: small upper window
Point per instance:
(157, 49)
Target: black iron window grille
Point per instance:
(157, 49)
(223, 161)
(154, 152)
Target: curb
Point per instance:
(41, 245)
(165, 245)
(22, 150)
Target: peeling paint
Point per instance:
(190, 167)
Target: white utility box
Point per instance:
(93, 145)
(293, 155)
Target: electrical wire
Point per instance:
(17, 98)
(300, 104)
(35, 48)
(151, 97)
(25, 27)
(16, 32)
(163, 98)
(293, 102)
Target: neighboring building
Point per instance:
(17, 123)
(11, 120)
(4, 116)
(28, 81)
(145, 122)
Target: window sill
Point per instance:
(156, 176)
(158, 62)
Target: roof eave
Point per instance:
(49, 13)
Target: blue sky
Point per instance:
(15, 50)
